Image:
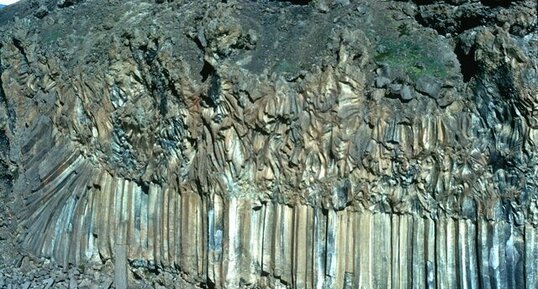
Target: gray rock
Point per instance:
(340, 194)
(429, 86)
(391, 72)
(48, 283)
(342, 2)
(381, 81)
(41, 12)
(85, 283)
(406, 94)
(73, 283)
(395, 88)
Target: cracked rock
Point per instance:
(269, 144)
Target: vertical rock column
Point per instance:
(229, 242)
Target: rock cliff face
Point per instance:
(272, 144)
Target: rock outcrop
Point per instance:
(272, 144)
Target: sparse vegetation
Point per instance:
(412, 56)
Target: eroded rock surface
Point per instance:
(272, 144)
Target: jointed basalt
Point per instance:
(325, 144)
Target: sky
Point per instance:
(7, 2)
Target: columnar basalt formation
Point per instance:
(274, 144)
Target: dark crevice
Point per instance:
(157, 83)
(468, 65)
(423, 2)
(208, 284)
(4, 143)
(159, 87)
(144, 187)
(496, 3)
(207, 70)
(198, 43)
(466, 23)
(506, 82)
(137, 277)
(68, 3)
(171, 86)
(18, 45)
(211, 97)
(299, 2)
(293, 2)
(150, 53)
(214, 90)
(102, 258)
(153, 269)
(499, 161)
(454, 26)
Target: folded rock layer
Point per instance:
(274, 144)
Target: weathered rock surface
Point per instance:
(269, 144)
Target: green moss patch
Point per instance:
(412, 56)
